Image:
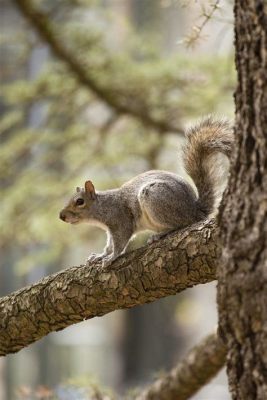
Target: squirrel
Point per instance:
(156, 200)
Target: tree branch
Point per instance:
(181, 260)
(200, 365)
(123, 102)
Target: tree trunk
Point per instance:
(242, 289)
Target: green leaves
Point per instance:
(79, 134)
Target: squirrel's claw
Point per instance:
(94, 258)
(106, 260)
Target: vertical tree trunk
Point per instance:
(242, 288)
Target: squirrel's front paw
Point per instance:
(107, 261)
(94, 257)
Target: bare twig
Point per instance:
(138, 109)
(191, 39)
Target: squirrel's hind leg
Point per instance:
(167, 206)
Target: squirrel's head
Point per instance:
(77, 209)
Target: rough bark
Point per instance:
(122, 102)
(242, 290)
(166, 267)
(200, 365)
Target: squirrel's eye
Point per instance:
(79, 202)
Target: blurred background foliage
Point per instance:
(144, 86)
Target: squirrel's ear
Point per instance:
(90, 189)
(78, 189)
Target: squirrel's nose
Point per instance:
(62, 216)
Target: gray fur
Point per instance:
(155, 200)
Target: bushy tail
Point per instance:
(208, 138)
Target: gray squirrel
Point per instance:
(156, 200)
